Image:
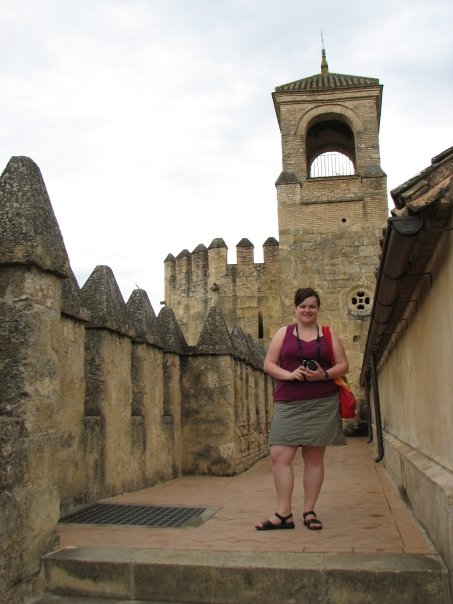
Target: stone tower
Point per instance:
(332, 205)
(332, 198)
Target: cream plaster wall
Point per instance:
(416, 396)
(416, 383)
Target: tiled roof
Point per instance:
(426, 202)
(327, 81)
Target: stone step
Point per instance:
(54, 599)
(157, 575)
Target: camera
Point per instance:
(310, 364)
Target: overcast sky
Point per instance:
(153, 124)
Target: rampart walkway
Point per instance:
(359, 506)
(370, 550)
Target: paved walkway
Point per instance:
(359, 506)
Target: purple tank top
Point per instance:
(290, 359)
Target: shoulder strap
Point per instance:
(326, 333)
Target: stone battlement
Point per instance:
(197, 280)
(100, 396)
(215, 256)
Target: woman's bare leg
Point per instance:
(313, 475)
(282, 457)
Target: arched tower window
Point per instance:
(330, 148)
(331, 163)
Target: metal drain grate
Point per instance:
(137, 515)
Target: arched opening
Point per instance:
(331, 163)
(330, 148)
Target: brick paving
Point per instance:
(359, 506)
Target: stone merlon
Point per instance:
(215, 337)
(102, 296)
(217, 243)
(245, 243)
(247, 349)
(172, 336)
(271, 241)
(200, 248)
(30, 232)
(143, 318)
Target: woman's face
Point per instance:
(307, 310)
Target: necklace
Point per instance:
(299, 342)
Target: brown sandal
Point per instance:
(267, 525)
(312, 523)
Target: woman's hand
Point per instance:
(313, 376)
(298, 374)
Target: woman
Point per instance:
(306, 411)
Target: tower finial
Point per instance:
(324, 65)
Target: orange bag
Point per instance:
(348, 405)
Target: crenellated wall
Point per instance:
(99, 396)
(329, 227)
(245, 292)
(412, 351)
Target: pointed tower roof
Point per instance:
(327, 81)
(324, 65)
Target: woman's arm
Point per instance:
(272, 360)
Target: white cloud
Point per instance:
(153, 122)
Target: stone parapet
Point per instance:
(244, 292)
(97, 396)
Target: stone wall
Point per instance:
(418, 431)
(245, 292)
(329, 227)
(413, 352)
(329, 230)
(99, 396)
(334, 249)
(357, 106)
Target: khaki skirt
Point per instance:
(312, 422)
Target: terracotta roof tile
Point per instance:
(327, 82)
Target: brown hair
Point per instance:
(306, 292)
